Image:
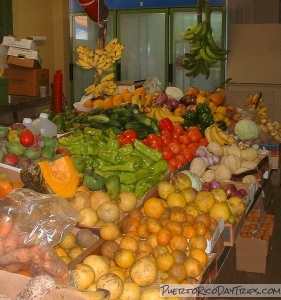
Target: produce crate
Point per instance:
(260, 172)
(12, 172)
(232, 230)
(252, 253)
(4, 86)
(211, 243)
(275, 153)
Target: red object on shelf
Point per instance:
(91, 7)
(58, 97)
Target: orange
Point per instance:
(88, 103)
(128, 97)
(153, 225)
(136, 213)
(178, 214)
(192, 91)
(144, 245)
(200, 228)
(134, 234)
(5, 187)
(180, 256)
(143, 231)
(203, 218)
(177, 271)
(128, 242)
(124, 92)
(197, 241)
(193, 267)
(109, 248)
(130, 224)
(154, 207)
(175, 227)
(97, 103)
(124, 258)
(189, 230)
(159, 249)
(117, 99)
(164, 236)
(178, 242)
(164, 261)
(107, 103)
(60, 251)
(201, 255)
(140, 91)
(190, 218)
(152, 239)
(217, 98)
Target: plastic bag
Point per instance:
(31, 224)
(153, 86)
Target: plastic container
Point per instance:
(27, 122)
(46, 127)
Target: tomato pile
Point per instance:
(177, 145)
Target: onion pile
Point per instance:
(210, 158)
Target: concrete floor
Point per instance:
(228, 273)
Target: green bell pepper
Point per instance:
(131, 178)
(58, 120)
(159, 167)
(206, 119)
(126, 149)
(71, 140)
(126, 167)
(222, 125)
(187, 123)
(202, 108)
(147, 161)
(112, 144)
(92, 131)
(89, 149)
(190, 115)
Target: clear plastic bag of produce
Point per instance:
(153, 86)
(31, 224)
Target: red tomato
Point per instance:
(189, 154)
(125, 141)
(203, 142)
(156, 147)
(166, 140)
(175, 147)
(130, 133)
(166, 133)
(182, 158)
(175, 162)
(167, 153)
(193, 147)
(120, 137)
(184, 139)
(178, 128)
(26, 137)
(195, 136)
(172, 168)
(175, 135)
(154, 139)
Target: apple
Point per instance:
(13, 135)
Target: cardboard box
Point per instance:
(275, 153)
(260, 172)
(267, 195)
(10, 41)
(217, 233)
(26, 82)
(4, 86)
(232, 230)
(23, 58)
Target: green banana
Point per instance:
(213, 55)
(206, 57)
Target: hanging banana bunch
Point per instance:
(204, 51)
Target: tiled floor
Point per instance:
(228, 273)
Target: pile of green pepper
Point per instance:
(135, 167)
(201, 117)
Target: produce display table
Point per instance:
(21, 106)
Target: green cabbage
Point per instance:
(247, 129)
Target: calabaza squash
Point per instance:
(58, 177)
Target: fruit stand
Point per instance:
(142, 187)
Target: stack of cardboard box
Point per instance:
(25, 73)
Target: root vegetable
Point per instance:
(22, 255)
(55, 268)
(11, 241)
(5, 225)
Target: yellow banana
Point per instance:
(108, 77)
(111, 91)
(83, 64)
(157, 114)
(231, 140)
(110, 46)
(151, 113)
(222, 134)
(88, 90)
(208, 134)
(118, 47)
(166, 113)
(216, 137)
(99, 51)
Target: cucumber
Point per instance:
(97, 125)
(114, 123)
(134, 125)
(142, 133)
(102, 119)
